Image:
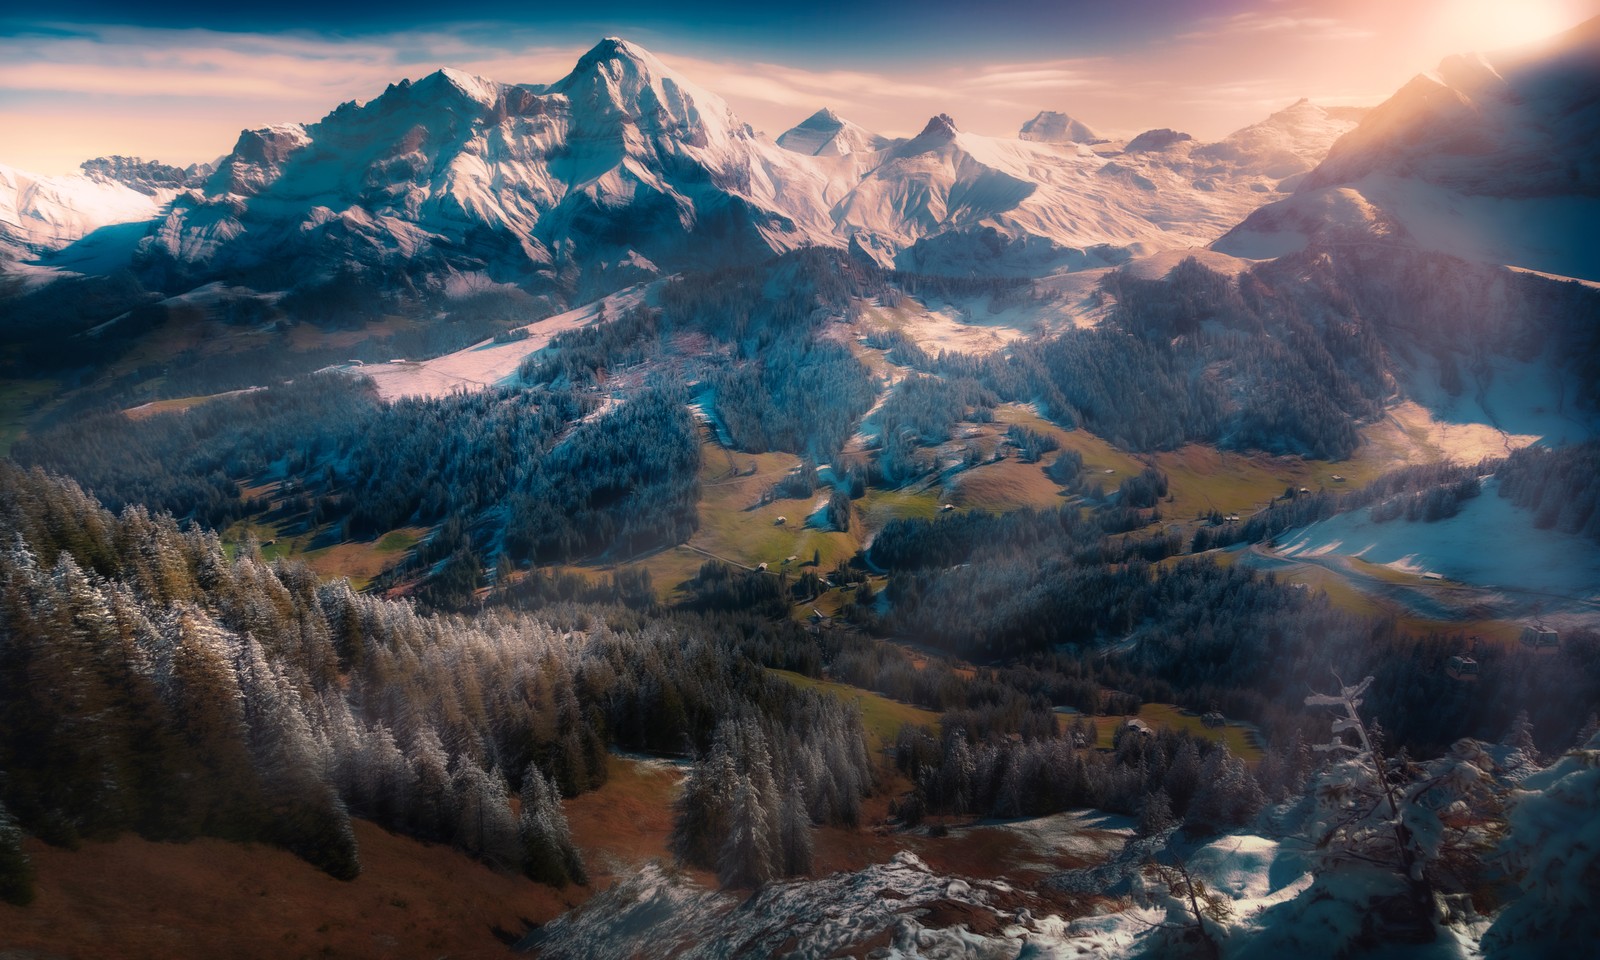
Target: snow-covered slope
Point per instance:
(950, 201)
(490, 362)
(40, 214)
(1490, 159)
(1547, 563)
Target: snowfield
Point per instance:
(40, 214)
(1490, 543)
(488, 364)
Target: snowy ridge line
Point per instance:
(614, 168)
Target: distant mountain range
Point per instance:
(623, 170)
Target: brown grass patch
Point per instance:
(1007, 485)
(131, 898)
(626, 822)
(364, 561)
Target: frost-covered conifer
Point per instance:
(795, 830)
(749, 854)
(1553, 850)
(548, 854)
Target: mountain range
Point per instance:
(623, 170)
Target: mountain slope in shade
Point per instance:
(1050, 126)
(1490, 159)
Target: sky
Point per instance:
(177, 81)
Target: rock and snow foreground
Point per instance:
(903, 909)
(1274, 897)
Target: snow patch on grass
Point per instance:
(1491, 542)
(487, 363)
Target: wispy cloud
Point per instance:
(1260, 24)
(202, 64)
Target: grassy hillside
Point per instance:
(882, 717)
(1241, 738)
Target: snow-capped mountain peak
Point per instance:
(940, 130)
(1289, 142)
(618, 81)
(475, 88)
(826, 134)
(1050, 126)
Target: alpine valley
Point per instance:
(560, 518)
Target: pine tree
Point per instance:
(304, 813)
(704, 808)
(1589, 729)
(432, 813)
(795, 831)
(1227, 796)
(548, 855)
(748, 856)
(16, 873)
(202, 691)
(1520, 736)
(484, 826)
(1183, 775)
(1155, 814)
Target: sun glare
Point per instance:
(1501, 24)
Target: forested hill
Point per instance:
(150, 682)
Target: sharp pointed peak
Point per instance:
(474, 87)
(827, 133)
(616, 48)
(824, 119)
(619, 57)
(940, 125)
(940, 131)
